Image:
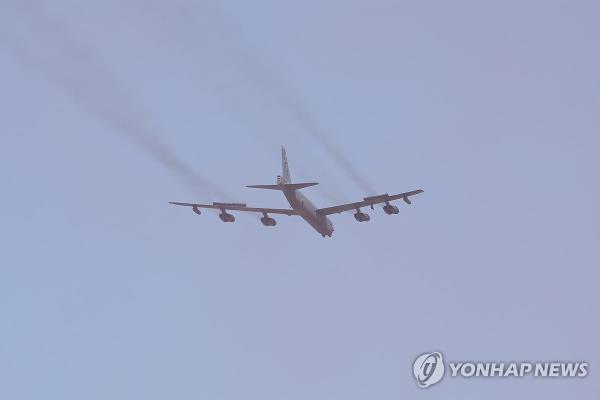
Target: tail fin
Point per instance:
(285, 178)
(284, 182)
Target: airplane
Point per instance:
(302, 206)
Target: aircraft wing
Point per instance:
(368, 201)
(235, 207)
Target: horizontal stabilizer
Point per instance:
(272, 187)
(285, 186)
(296, 186)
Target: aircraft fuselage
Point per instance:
(307, 210)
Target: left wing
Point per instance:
(235, 207)
(368, 201)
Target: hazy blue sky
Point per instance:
(109, 109)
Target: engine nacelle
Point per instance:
(225, 217)
(361, 216)
(268, 221)
(390, 209)
(196, 210)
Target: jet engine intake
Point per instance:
(268, 221)
(225, 217)
(361, 216)
(390, 209)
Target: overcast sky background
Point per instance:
(106, 107)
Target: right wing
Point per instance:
(235, 207)
(368, 201)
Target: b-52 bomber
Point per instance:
(302, 206)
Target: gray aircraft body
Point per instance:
(302, 206)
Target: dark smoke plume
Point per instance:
(322, 137)
(258, 71)
(236, 53)
(83, 77)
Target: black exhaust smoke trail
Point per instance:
(309, 124)
(96, 90)
(264, 77)
(246, 61)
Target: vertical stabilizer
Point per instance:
(284, 182)
(284, 167)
